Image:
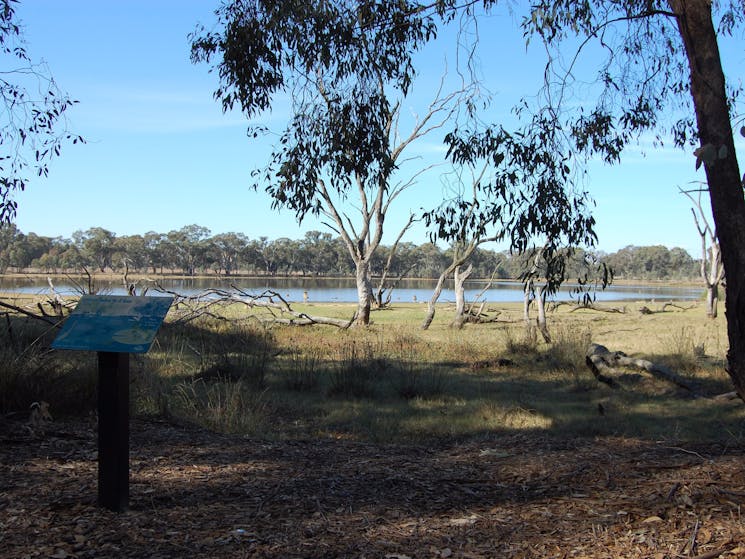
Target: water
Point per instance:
(343, 290)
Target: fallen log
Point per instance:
(599, 308)
(601, 360)
(646, 310)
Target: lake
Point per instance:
(338, 290)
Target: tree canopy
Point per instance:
(344, 66)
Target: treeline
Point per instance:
(194, 250)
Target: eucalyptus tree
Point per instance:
(155, 250)
(651, 52)
(33, 112)
(130, 253)
(318, 249)
(460, 220)
(658, 69)
(96, 246)
(226, 251)
(347, 75)
(189, 247)
(647, 53)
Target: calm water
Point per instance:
(343, 290)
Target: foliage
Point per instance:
(316, 254)
(336, 61)
(33, 113)
(642, 73)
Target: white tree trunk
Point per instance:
(460, 295)
(433, 300)
(712, 300)
(527, 299)
(364, 293)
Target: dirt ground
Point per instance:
(198, 494)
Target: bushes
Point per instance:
(30, 371)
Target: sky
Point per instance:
(160, 154)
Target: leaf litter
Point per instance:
(201, 494)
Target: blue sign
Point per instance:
(113, 323)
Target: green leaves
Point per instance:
(32, 127)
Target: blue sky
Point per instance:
(161, 155)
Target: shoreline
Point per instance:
(140, 276)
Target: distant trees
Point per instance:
(651, 262)
(316, 254)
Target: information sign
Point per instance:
(113, 323)
(114, 326)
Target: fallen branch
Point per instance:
(646, 310)
(277, 309)
(599, 358)
(53, 320)
(599, 308)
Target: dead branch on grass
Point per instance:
(646, 310)
(599, 308)
(602, 362)
(276, 310)
(479, 315)
(59, 307)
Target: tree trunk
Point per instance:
(715, 278)
(460, 295)
(541, 304)
(712, 300)
(364, 293)
(429, 317)
(722, 173)
(527, 299)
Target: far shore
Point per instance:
(136, 276)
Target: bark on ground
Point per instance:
(199, 494)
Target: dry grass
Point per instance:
(395, 382)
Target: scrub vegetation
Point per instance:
(392, 382)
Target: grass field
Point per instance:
(394, 382)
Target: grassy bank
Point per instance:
(394, 382)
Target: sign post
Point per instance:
(114, 326)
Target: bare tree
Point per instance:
(383, 293)
(711, 267)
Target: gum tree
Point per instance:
(345, 66)
(661, 71)
(32, 114)
(342, 69)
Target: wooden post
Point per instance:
(113, 430)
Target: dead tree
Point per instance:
(711, 269)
